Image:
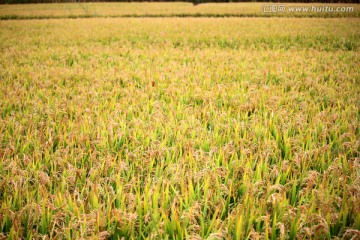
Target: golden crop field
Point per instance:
(170, 9)
(179, 128)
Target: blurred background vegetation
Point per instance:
(192, 1)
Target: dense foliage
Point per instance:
(168, 128)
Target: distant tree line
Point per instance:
(192, 1)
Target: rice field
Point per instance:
(163, 9)
(180, 128)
